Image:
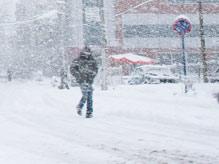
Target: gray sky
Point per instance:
(9, 4)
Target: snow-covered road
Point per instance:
(145, 124)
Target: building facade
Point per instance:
(139, 26)
(145, 27)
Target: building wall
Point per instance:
(156, 31)
(145, 27)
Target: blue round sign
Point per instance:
(182, 26)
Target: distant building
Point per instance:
(145, 27)
(139, 26)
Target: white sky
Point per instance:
(10, 4)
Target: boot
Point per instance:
(89, 115)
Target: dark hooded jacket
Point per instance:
(84, 68)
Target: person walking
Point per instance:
(84, 69)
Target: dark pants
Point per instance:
(87, 96)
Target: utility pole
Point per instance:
(203, 47)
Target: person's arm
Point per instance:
(74, 69)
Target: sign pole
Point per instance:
(184, 62)
(182, 25)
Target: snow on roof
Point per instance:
(132, 58)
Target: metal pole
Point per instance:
(184, 56)
(184, 63)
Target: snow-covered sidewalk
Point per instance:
(145, 124)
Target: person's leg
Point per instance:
(83, 99)
(89, 102)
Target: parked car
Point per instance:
(135, 80)
(155, 74)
